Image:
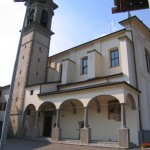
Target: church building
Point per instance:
(96, 91)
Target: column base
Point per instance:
(124, 138)
(85, 136)
(56, 134)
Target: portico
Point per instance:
(95, 114)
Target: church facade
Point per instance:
(97, 91)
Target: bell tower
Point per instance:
(33, 57)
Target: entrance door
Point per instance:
(47, 124)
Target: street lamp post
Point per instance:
(8, 108)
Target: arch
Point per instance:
(44, 18)
(113, 104)
(97, 104)
(98, 98)
(47, 117)
(30, 108)
(29, 120)
(74, 104)
(131, 101)
(47, 106)
(30, 17)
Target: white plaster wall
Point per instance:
(32, 99)
(69, 123)
(127, 61)
(71, 72)
(98, 65)
(51, 87)
(102, 128)
(94, 64)
(141, 41)
(132, 124)
(106, 47)
(53, 75)
(68, 72)
(145, 104)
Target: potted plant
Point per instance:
(145, 145)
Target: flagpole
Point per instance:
(9, 102)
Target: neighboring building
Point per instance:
(99, 90)
(4, 92)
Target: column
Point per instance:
(86, 117)
(57, 118)
(124, 137)
(86, 131)
(123, 115)
(35, 125)
(57, 131)
(22, 125)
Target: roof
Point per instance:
(123, 30)
(89, 87)
(135, 18)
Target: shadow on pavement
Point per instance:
(19, 144)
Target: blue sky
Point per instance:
(74, 22)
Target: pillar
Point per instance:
(57, 131)
(86, 131)
(22, 125)
(35, 134)
(124, 138)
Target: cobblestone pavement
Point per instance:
(19, 144)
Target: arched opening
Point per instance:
(71, 118)
(104, 118)
(46, 119)
(130, 102)
(44, 18)
(29, 120)
(30, 17)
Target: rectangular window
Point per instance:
(147, 56)
(85, 65)
(114, 56)
(31, 92)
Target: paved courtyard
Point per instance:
(19, 144)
